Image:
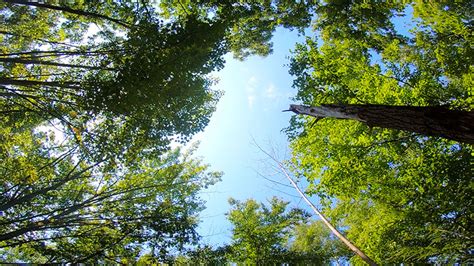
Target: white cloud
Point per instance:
(250, 91)
(271, 92)
(251, 100)
(252, 82)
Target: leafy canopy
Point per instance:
(260, 233)
(403, 197)
(91, 96)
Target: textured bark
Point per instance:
(430, 121)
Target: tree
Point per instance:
(91, 96)
(250, 24)
(260, 233)
(404, 197)
(429, 121)
(83, 82)
(207, 255)
(314, 240)
(332, 228)
(141, 77)
(58, 208)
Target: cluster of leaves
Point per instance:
(274, 234)
(404, 197)
(315, 243)
(249, 24)
(130, 89)
(268, 234)
(125, 76)
(58, 207)
(260, 233)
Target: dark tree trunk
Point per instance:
(430, 121)
(49, 63)
(68, 10)
(57, 53)
(23, 82)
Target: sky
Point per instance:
(255, 93)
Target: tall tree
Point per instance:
(137, 72)
(60, 208)
(115, 83)
(404, 197)
(96, 81)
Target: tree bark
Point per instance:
(435, 121)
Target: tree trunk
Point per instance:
(49, 63)
(24, 82)
(430, 121)
(323, 218)
(68, 10)
(57, 53)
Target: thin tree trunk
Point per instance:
(35, 39)
(430, 121)
(51, 53)
(336, 232)
(22, 82)
(69, 10)
(49, 63)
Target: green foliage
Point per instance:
(124, 79)
(260, 233)
(315, 243)
(91, 96)
(249, 24)
(148, 87)
(57, 207)
(403, 197)
(207, 255)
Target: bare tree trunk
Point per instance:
(24, 82)
(334, 230)
(430, 121)
(68, 10)
(49, 63)
(57, 53)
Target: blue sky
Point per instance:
(256, 92)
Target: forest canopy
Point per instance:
(93, 95)
(403, 196)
